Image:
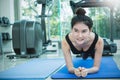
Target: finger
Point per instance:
(83, 68)
(80, 69)
(77, 73)
(84, 74)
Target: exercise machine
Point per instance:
(44, 3)
(26, 39)
(109, 45)
(47, 42)
(29, 37)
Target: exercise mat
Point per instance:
(108, 69)
(36, 69)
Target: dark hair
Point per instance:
(81, 17)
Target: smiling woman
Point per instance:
(81, 40)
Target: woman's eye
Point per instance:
(75, 30)
(84, 31)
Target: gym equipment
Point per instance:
(109, 46)
(5, 36)
(0, 20)
(26, 39)
(4, 21)
(108, 69)
(8, 36)
(42, 16)
(35, 69)
(46, 34)
(44, 3)
(1, 50)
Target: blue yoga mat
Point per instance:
(108, 69)
(36, 69)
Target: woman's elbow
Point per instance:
(70, 70)
(96, 69)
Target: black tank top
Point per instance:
(85, 54)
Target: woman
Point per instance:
(81, 40)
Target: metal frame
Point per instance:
(42, 16)
(43, 23)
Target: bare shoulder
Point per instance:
(65, 44)
(63, 40)
(100, 39)
(99, 42)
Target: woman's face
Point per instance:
(80, 33)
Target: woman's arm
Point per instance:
(68, 59)
(97, 59)
(98, 55)
(67, 56)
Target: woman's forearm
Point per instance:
(93, 70)
(71, 69)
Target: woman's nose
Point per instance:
(80, 35)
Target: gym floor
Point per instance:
(6, 63)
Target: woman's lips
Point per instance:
(80, 39)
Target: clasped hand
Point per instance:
(81, 71)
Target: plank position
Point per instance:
(81, 40)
